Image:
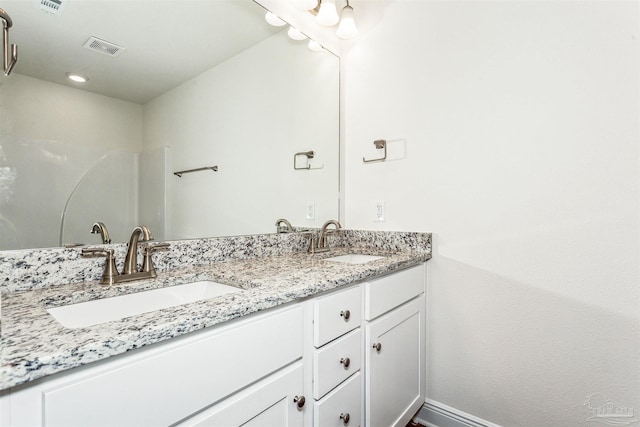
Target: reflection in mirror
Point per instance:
(196, 83)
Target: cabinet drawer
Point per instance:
(345, 401)
(336, 314)
(163, 385)
(329, 362)
(386, 293)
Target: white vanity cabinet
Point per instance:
(394, 347)
(169, 382)
(351, 357)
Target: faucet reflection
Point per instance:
(286, 228)
(99, 227)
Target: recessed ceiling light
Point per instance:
(76, 77)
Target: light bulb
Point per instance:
(327, 15)
(295, 34)
(305, 4)
(347, 28)
(273, 19)
(78, 78)
(315, 46)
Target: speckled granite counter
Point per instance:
(34, 344)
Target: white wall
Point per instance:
(51, 137)
(39, 110)
(515, 132)
(248, 116)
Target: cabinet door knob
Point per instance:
(346, 314)
(345, 418)
(299, 400)
(377, 346)
(345, 361)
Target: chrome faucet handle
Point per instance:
(95, 252)
(149, 249)
(110, 270)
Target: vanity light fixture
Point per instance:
(347, 28)
(78, 78)
(295, 34)
(274, 19)
(328, 14)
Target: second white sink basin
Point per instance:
(107, 309)
(354, 258)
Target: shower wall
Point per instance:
(51, 137)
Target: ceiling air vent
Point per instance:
(55, 7)
(103, 46)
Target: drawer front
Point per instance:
(384, 294)
(342, 404)
(163, 387)
(335, 362)
(336, 314)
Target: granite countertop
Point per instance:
(34, 344)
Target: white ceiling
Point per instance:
(167, 41)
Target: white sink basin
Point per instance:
(107, 309)
(354, 258)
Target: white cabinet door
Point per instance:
(395, 363)
(269, 403)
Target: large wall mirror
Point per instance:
(174, 85)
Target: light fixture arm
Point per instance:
(10, 59)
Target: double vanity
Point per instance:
(249, 330)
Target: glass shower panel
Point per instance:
(108, 193)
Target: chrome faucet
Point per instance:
(320, 243)
(130, 271)
(286, 228)
(323, 243)
(131, 260)
(99, 227)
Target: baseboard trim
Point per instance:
(436, 414)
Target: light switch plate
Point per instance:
(380, 211)
(311, 210)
